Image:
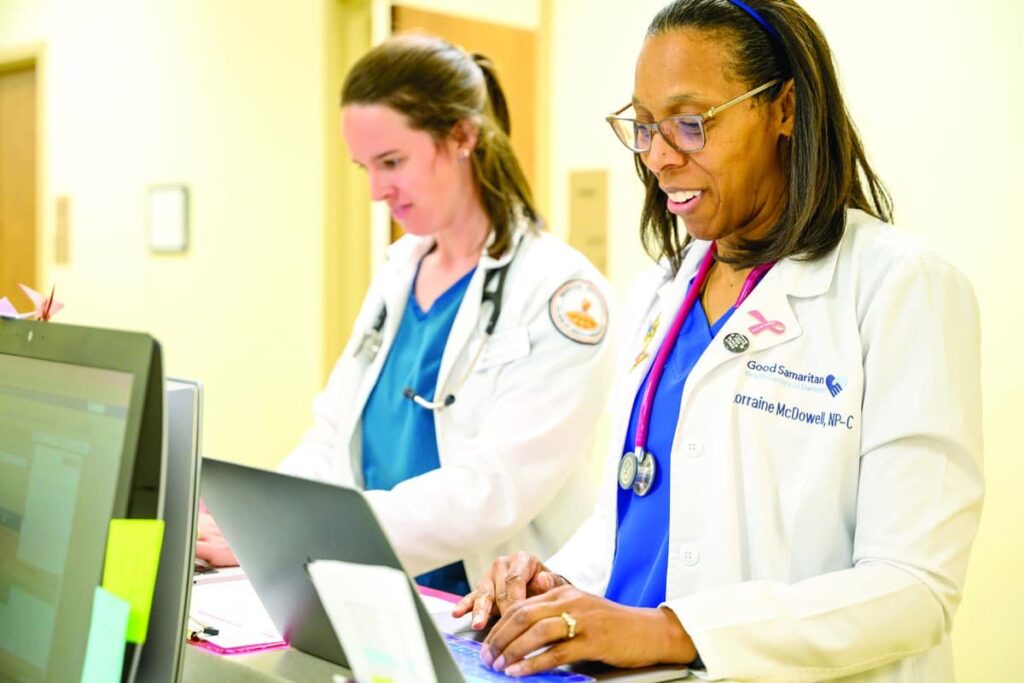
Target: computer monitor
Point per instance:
(81, 442)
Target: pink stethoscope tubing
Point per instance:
(658, 368)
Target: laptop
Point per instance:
(276, 524)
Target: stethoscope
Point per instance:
(637, 467)
(372, 340)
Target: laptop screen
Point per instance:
(62, 435)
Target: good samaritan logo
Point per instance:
(805, 381)
(835, 384)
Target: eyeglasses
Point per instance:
(683, 132)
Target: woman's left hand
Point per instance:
(604, 631)
(210, 543)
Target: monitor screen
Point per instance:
(67, 428)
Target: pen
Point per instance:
(199, 629)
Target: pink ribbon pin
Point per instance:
(763, 324)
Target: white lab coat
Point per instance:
(515, 447)
(804, 551)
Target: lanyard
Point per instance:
(636, 470)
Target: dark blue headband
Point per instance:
(759, 19)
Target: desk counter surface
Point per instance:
(274, 666)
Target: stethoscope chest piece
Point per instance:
(627, 471)
(645, 471)
(637, 472)
(373, 338)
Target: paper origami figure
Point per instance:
(45, 306)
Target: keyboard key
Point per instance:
(467, 656)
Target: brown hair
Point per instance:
(828, 169)
(436, 85)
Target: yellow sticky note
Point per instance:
(129, 570)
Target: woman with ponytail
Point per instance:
(465, 399)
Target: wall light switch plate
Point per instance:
(167, 217)
(588, 215)
(62, 236)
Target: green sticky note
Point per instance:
(104, 655)
(129, 571)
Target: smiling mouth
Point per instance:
(683, 196)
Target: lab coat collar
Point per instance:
(789, 278)
(796, 278)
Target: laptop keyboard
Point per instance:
(467, 656)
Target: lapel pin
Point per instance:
(764, 324)
(736, 342)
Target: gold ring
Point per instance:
(570, 625)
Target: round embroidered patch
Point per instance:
(579, 311)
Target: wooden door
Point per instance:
(514, 53)
(17, 181)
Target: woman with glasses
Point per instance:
(464, 402)
(794, 480)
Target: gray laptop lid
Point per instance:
(276, 524)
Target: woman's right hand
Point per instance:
(210, 544)
(510, 580)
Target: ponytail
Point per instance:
(504, 190)
(495, 95)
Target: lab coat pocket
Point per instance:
(504, 347)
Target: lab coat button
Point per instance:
(693, 447)
(689, 554)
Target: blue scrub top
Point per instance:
(640, 565)
(398, 435)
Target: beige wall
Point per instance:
(234, 103)
(934, 89)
